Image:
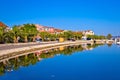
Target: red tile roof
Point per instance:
(59, 30)
(3, 25)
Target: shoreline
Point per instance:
(32, 46)
(14, 55)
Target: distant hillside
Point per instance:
(3, 25)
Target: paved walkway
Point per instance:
(19, 45)
(12, 48)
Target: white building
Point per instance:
(85, 33)
(88, 32)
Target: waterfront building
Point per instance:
(4, 26)
(84, 38)
(88, 32)
(51, 30)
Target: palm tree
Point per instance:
(44, 35)
(25, 31)
(68, 35)
(9, 37)
(34, 31)
(16, 32)
(53, 37)
(29, 30)
(2, 32)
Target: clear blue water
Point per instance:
(101, 63)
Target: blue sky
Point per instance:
(101, 16)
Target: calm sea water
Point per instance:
(70, 63)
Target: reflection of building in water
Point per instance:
(117, 40)
(11, 63)
(39, 59)
(61, 48)
(86, 46)
(38, 53)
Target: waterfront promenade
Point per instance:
(17, 47)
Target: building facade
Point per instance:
(88, 32)
(51, 30)
(4, 26)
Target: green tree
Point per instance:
(53, 37)
(29, 30)
(25, 31)
(96, 36)
(44, 35)
(109, 36)
(2, 32)
(33, 32)
(60, 35)
(16, 33)
(9, 37)
(77, 35)
(68, 35)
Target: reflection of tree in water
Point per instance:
(93, 45)
(68, 51)
(71, 49)
(28, 59)
(15, 63)
(2, 68)
(32, 58)
(109, 45)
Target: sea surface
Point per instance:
(76, 62)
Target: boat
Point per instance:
(118, 42)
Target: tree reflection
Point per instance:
(33, 58)
(2, 68)
(109, 45)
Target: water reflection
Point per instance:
(11, 64)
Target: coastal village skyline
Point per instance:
(54, 30)
(65, 28)
(49, 29)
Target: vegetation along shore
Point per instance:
(33, 36)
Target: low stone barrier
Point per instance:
(9, 51)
